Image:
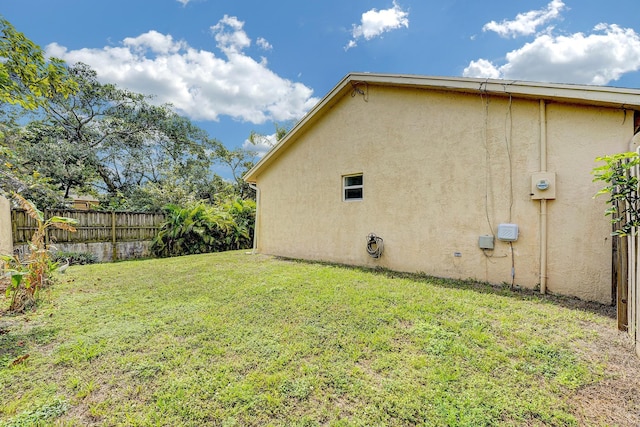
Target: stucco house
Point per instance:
(452, 177)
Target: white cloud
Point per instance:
(198, 83)
(526, 23)
(376, 22)
(482, 68)
(597, 58)
(230, 36)
(264, 44)
(155, 42)
(184, 2)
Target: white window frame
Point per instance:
(346, 187)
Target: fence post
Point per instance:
(47, 215)
(6, 235)
(622, 282)
(114, 251)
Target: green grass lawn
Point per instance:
(233, 340)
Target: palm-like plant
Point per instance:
(32, 273)
(168, 240)
(202, 228)
(243, 213)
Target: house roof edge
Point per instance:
(608, 96)
(328, 100)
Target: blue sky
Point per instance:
(241, 65)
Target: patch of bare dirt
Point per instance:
(614, 400)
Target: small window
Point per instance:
(352, 187)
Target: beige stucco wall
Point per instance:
(6, 241)
(441, 169)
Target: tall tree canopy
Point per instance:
(240, 160)
(112, 141)
(26, 77)
(27, 81)
(83, 136)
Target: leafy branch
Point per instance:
(622, 188)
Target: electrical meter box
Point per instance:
(508, 232)
(543, 186)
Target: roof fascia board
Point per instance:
(580, 94)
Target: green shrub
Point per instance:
(75, 258)
(203, 228)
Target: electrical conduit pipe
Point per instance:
(543, 202)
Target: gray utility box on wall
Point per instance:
(485, 242)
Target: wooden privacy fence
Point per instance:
(93, 227)
(626, 270)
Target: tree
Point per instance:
(27, 80)
(44, 149)
(240, 160)
(180, 190)
(26, 77)
(107, 130)
(112, 141)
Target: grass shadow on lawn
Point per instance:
(505, 290)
